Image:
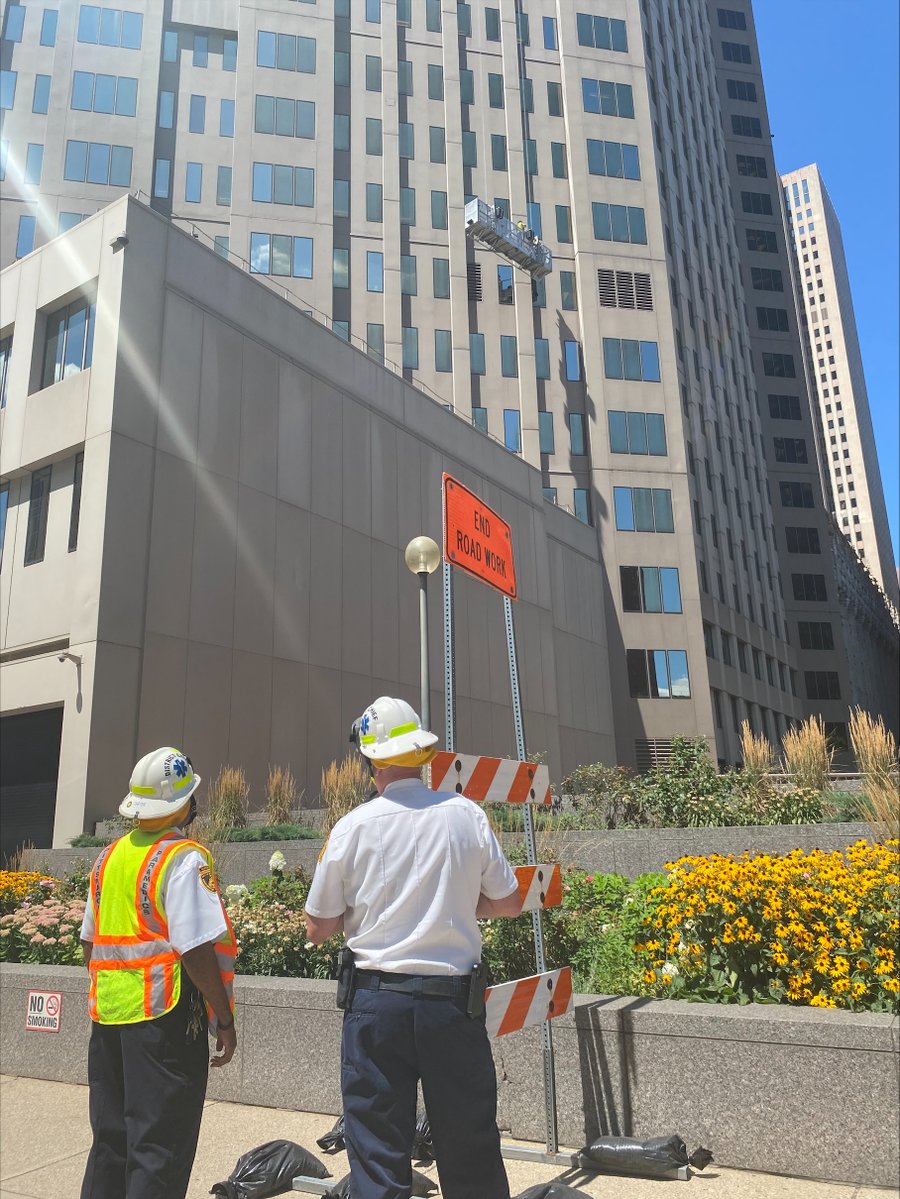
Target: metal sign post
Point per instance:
(449, 658)
(536, 916)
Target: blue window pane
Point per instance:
(638, 226)
(612, 357)
(88, 23)
(265, 49)
(304, 187)
(443, 352)
(67, 221)
(229, 54)
(170, 46)
(549, 28)
(76, 161)
(637, 433)
(509, 366)
(162, 177)
(671, 588)
(546, 440)
(41, 101)
(120, 166)
(480, 418)
(74, 356)
(607, 95)
(438, 210)
(48, 27)
(82, 91)
(511, 437)
(25, 239)
(576, 432)
(7, 89)
(34, 162)
(650, 361)
(262, 182)
(15, 23)
(662, 509)
(659, 674)
(302, 267)
(283, 190)
(651, 594)
(126, 97)
(410, 348)
(618, 35)
(542, 357)
(306, 55)
(201, 50)
(572, 360)
(226, 118)
(132, 28)
(374, 271)
(678, 672)
(104, 93)
(533, 219)
(613, 160)
(305, 125)
(619, 220)
(618, 433)
(590, 95)
(193, 182)
(602, 229)
(596, 156)
(622, 502)
(631, 162)
(582, 507)
(656, 433)
(282, 254)
(98, 163)
(631, 359)
(643, 509)
(624, 100)
(476, 358)
(110, 26)
(197, 114)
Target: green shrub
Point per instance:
(273, 832)
(89, 841)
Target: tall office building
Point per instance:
(654, 376)
(850, 458)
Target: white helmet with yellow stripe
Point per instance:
(161, 784)
(390, 733)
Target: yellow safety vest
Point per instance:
(135, 973)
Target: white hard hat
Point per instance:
(161, 783)
(390, 728)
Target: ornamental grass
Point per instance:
(344, 786)
(875, 749)
(813, 928)
(807, 755)
(281, 795)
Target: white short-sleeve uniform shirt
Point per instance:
(194, 912)
(406, 870)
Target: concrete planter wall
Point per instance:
(620, 851)
(798, 1091)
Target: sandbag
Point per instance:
(333, 1141)
(268, 1170)
(421, 1185)
(655, 1157)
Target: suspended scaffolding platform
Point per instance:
(520, 245)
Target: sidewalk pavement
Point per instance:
(45, 1136)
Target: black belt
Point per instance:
(413, 984)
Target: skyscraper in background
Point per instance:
(825, 302)
(655, 376)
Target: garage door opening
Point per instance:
(29, 770)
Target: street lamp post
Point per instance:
(422, 557)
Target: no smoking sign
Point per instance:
(43, 1010)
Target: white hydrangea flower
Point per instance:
(277, 862)
(236, 891)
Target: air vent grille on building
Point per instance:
(649, 754)
(473, 274)
(625, 289)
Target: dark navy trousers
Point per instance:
(391, 1041)
(147, 1087)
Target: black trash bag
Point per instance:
(654, 1158)
(423, 1146)
(421, 1185)
(333, 1142)
(553, 1190)
(269, 1169)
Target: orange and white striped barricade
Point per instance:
(510, 1007)
(490, 780)
(539, 887)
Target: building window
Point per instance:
(736, 52)
(809, 588)
(286, 52)
(766, 279)
(97, 162)
(815, 634)
(469, 149)
(658, 674)
(551, 42)
(407, 206)
(111, 94)
(637, 433)
(572, 361)
(603, 33)
(110, 27)
(650, 589)
(75, 514)
(408, 278)
(406, 136)
(476, 362)
(784, 407)
(433, 16)
(616, 222)
(5, 355)
(542, 358)
(373, 73)
(340, 267)
(762, 240)
(790, 449)
(752, 167)
(69, 343)
(563, 223)
(443, 352)
(193, 182)
(281, 254)
(802, 540)
(554, 99)
(437, 146)
(618, 160)
(744, 126)
(772, 320)
(558, 160)
(779, 366)
(741, 89)
(229, 54)
(38, 509)
(509, 362)
(576, 431)
(222, 245)
(373, 11)
(375, 341)
(581, 503)
(410, 344)
(607, 99)
(757, 203)
(796, 495)
(643, 509)
(439, 210)
(166, 117)
(162, 178)
(34, 164)
(7, 89)
(822, 684)
(511, 435)
(41, 99)
(495, 90)
(197, 115)
(440, 277)
(340, 201)
(341, 329)
(4, 508)
(374, 202)
(374, 270)
(546, 441)
(464, 19)
(492, 24)
(435, 81)
(505, 284)
(498, 151)
(550, 495)
(634, 360)
(223, 186)
(280, 184)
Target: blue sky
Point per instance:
(831, 78)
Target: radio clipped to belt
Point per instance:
(478, 985)
(346, 976)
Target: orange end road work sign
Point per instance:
(476, 539)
